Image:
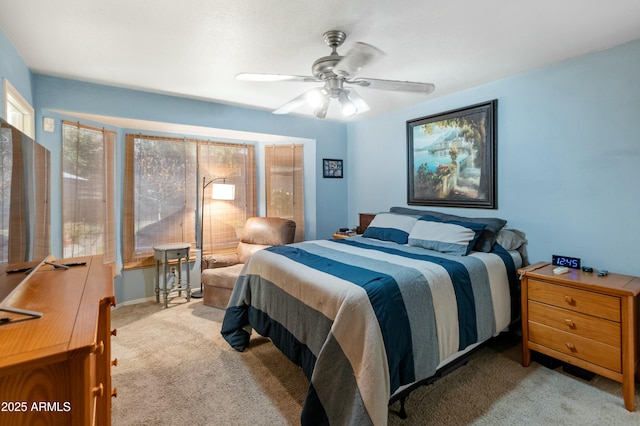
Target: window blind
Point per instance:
(88, 188)
(163, 189)
(284, 181)
(224, 220)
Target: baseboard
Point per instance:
(136, 301)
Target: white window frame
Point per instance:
(11, 96)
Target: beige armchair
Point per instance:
(220, 272)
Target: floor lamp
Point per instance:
(219, 191)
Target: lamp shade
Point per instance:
(223, 191)
(348, 107)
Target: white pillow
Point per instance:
(452, 237)
(390, 227)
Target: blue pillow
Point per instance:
(390, 227)
(446, 236)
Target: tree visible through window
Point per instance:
(163, 186)
(88, 226)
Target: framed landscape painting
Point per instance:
(452, 158)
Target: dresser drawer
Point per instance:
(596, 304)
(578, 347)
(603, 331)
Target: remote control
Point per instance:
(560, 270)
(22, 312)
(75, 264)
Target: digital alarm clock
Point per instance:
(569, 262)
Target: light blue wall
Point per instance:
(568, 157)
(14, 69)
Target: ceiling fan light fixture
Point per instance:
(348, 107)
(321, 110)
(317, 97)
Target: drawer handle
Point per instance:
(114, 393)
(98, 390)
(571, 347)
(570, 323)
(114, 362)
(569, 300)
(99, 348)
(114, 332)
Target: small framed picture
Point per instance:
(331, 168)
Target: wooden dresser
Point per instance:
(56, 370)
(584, 320)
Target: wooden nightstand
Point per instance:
(365, 220)
(584, 320)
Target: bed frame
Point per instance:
(456, 363)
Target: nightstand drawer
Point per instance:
(603, 331)
(576, 346)
(596, 304)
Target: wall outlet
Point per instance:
(173, 270)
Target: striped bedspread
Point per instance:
(363, 317)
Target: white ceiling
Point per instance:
(194, 48)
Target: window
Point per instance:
(88, 191)
(285, 184)
(224, 220)
(162, 190)
(17, 111)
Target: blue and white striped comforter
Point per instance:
(363, 317)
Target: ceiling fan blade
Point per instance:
(315, 97)
(361, 54)
(292, 104)
(394, 85)
(360, 104)
(274, 77)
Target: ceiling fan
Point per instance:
(335, 72)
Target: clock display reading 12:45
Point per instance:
(569, 262)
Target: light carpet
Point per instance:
(174, 368)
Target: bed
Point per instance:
(370, 316)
